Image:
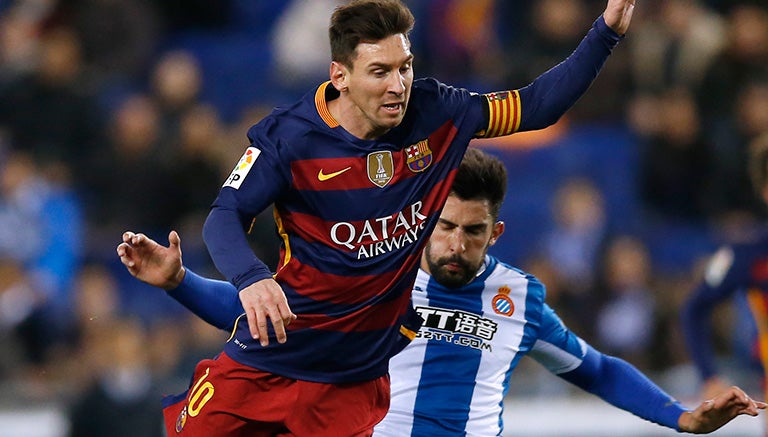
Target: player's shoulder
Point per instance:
(511, 276)
(431, 88)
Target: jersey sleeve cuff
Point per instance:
(255, 274)
(606, 32)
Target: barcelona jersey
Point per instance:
(736, 270)
(353, 215)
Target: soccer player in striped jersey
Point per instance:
(480, 316)
(738, 269)
(357, 172)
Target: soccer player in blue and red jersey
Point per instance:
(481, 317)
(737, 268)
(357, 172)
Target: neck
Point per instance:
(349, 116)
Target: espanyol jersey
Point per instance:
(451, 380)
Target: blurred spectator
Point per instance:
(20, 26)
(41, 228)
(731, 191)
(129, 182)
(300, 44)
(118, 37)
(553, 30)
(120, 400)
(198, 172)
(675, 159)
(575, 242)
(625, 323)
(675, 45)
(175, 84)
(743, 59)
(18, 300)
(52, 112)
(462, 33)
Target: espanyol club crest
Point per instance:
(418, 156)
(502, 303)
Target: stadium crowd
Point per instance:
(127, 115)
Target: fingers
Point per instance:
(738, 400)
(127, 235)
(174, 240)
(264, 302)
(250, 314)
(281, 317)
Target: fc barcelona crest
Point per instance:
(182, 419)
(418, 156)
(380, 168)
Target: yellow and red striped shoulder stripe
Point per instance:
(504, 114)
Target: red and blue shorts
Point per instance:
(229, 399)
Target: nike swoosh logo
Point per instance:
(324, 177)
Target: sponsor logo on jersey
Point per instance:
(324, 177)
(242, 168)
(458, 327)
(381, 235)
(418, 156)
(502, 303)
(381, 168)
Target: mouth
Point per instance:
(454, 267)
(393, 108)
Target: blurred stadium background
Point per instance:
(129, 114)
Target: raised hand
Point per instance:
(618, 15)
(151, 262)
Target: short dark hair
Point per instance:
(481, 177)
(758, 163)
(366, 21)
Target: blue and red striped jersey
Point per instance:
(353, 215)
(735, 270)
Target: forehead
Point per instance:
(466, 212)
(392, 50)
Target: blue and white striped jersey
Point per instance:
(451, 380)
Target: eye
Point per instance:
(475, 231)
(405, 68)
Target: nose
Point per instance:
(458, 242)
(397, 84)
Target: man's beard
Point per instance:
(451, 278)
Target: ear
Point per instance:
(339, 74)
(498, 229)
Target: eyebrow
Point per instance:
(386, 65)
(473, 226)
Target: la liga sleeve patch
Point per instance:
(242, 168)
